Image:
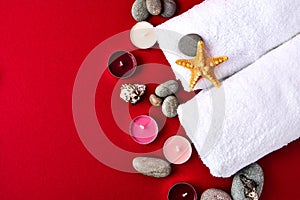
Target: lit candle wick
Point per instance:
(185, 194)
(121, 63)
(142, 127)
(177, 148)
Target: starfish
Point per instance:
(202, 66)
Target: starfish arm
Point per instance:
(185, 63)
(199, 59)
(213, 79)
(195, 77)
(219, 60)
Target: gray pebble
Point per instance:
(153, 6)
(169, 8)
(215, 194)
(188, 44)
(253, 172)
(139, 10)
(155, 100)
(167, 88)
(154, 167)
(169, 106)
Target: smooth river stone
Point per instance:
(254, 172)
(169, 8)
(167, 88)
(215, 194)
(155, 100)
(154, 167)
(188, 44)
(169, 106)
(139, 10)
(154, 6)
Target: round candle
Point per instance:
(142, 35)
(122, 64)
(143, 129)
(177, 149)
(182, 191)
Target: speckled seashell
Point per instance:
(132, 92)
(154, 167)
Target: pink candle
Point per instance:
(122, 64)
(182, 191)
(177, 149)
(143, 129)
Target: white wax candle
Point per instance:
(142, 35)
(177, 149)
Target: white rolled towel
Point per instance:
(255, 112)
(243, 30)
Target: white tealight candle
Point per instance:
(142, 35)
(177, 149)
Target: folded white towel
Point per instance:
(255, 112)
(243, 30)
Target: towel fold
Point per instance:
(243, 30)
(255, 112)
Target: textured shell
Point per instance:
(132, 92)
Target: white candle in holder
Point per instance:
(142, 35)
(177, 149)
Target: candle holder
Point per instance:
(143, 129)
(182, 191)
(122, 64)
(177, 149)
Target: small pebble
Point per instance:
(154, 167)
(139, 10)
(169, 106)
(188, 44)
(215, 194)
(154, 6)
(167, 88)
(169, 8)
(155, 100)
(253, 172)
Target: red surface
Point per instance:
(42, 45)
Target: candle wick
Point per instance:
(177, 148)
(185, 194)
(142, 127)
(121, 63)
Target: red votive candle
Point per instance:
(143, 129)
(182, 191)
(122, 64)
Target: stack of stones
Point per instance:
(164, 97)
(142, 9)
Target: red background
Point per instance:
(42, 45)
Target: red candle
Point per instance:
(122, 64)
(182, 191)
(143, 129)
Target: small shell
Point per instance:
(132, 92)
